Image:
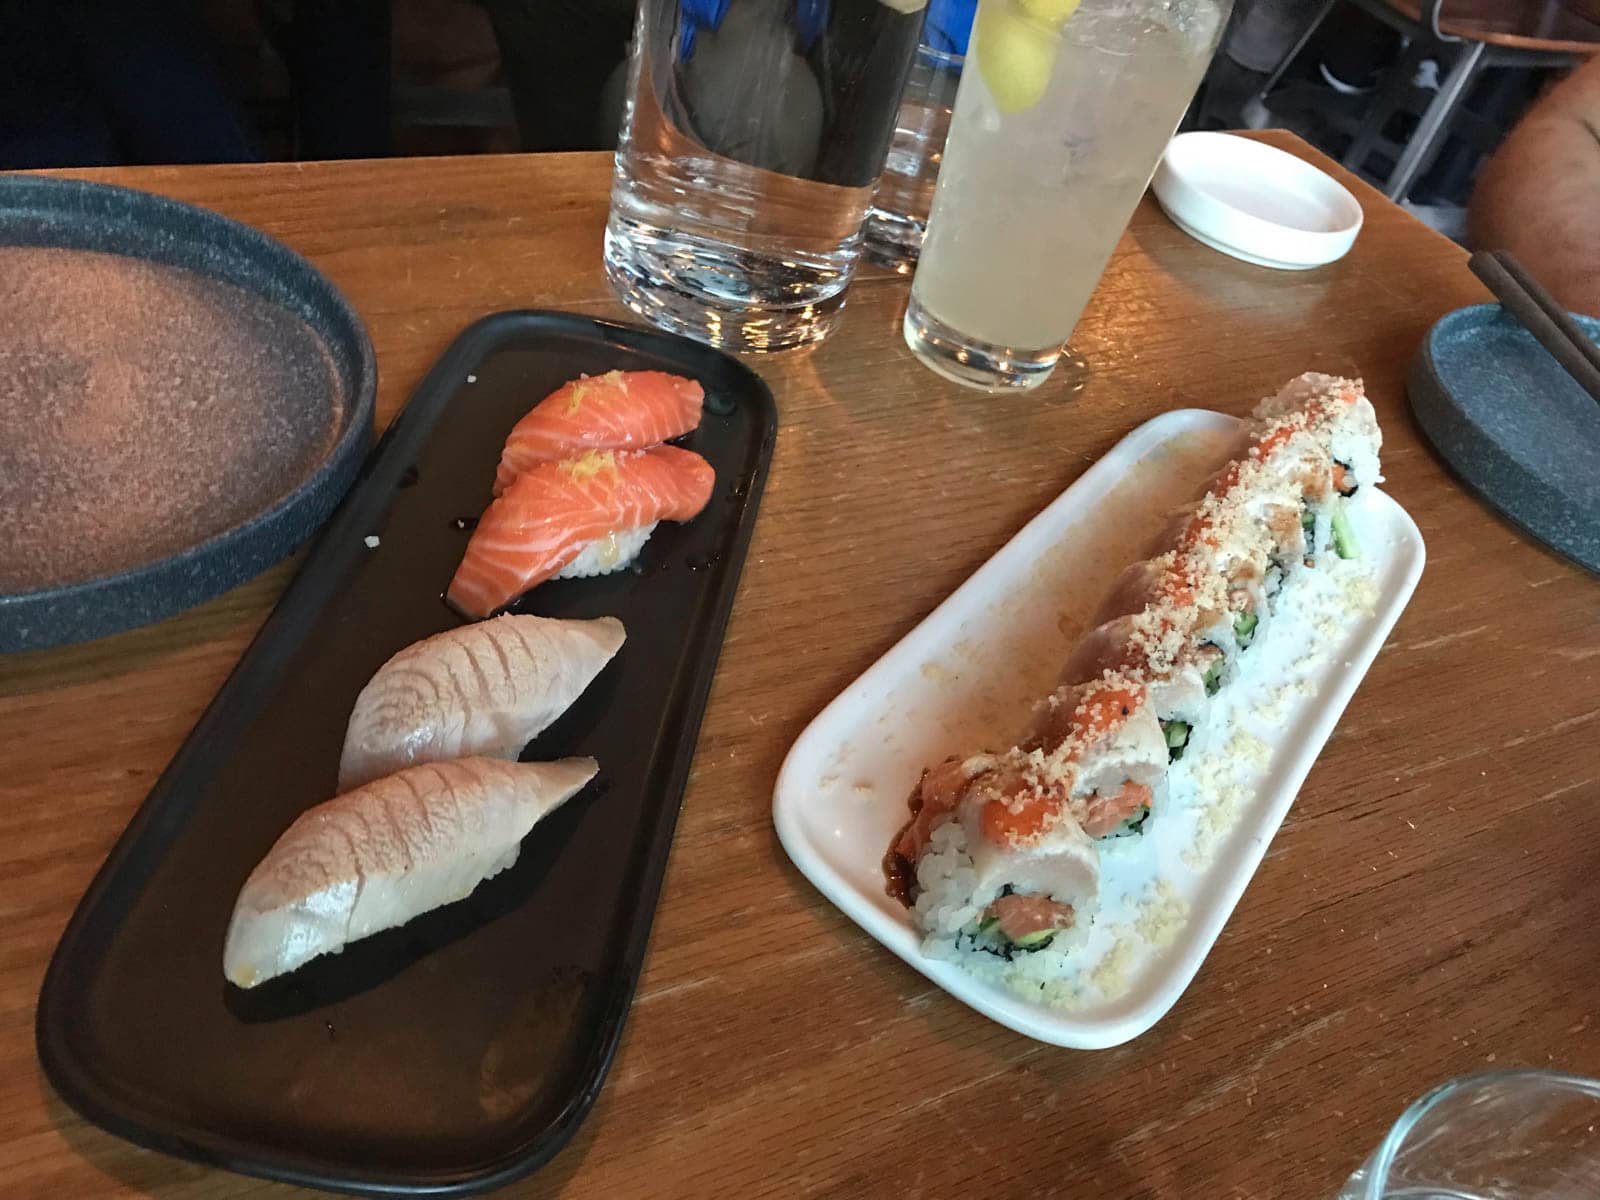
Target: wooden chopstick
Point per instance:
(1537, 312)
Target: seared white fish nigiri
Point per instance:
(376, 857)
(483, 690)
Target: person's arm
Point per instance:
(1539, 196)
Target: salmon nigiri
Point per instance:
(620, 410)
(588, 516)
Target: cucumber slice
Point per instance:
(1133, 824)
(1036, 940)
(1344, 537)
(1213, 678)
(1244, 627)
(1177, 735)
(987, 923)
(1272, 584)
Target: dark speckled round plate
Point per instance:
(183, 400)
(1516, 428)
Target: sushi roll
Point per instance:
(1208, 591)
(586, 516)
(1321, 434)
(1165, 612)
(620, 410)
(1179, 690)
(1338, 416)
(979, 883)
(999, 857)
(1103, 740)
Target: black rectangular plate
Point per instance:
(461, 1051)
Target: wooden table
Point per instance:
(1427, 910)
(1555, 26)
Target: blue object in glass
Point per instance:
(810, 16)
(695, 15)
(705, 13)
(949, 25)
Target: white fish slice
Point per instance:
(483, 690)
(392, 850)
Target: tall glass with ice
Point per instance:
(899, 214)
(753, 136)
(1063, 113)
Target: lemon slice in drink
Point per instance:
(1053, 13)
(1017, 48)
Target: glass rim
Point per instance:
(942, 58)
(1378, 1177)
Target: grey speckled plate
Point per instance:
(183, 401)
(1515, 427)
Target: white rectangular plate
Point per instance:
(966, 679)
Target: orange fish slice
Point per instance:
(597, 506)
(620, 410)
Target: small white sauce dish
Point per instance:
(1255, 202)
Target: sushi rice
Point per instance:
(604, 556)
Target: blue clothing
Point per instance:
(949, 25)
(99, 82)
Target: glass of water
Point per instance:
(898, 217)
(1505, 1135)
(752, 140)
(1063, 112)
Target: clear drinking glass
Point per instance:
(898, 217)
(1505, 1135)
(1063, 112)
(753, 136)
